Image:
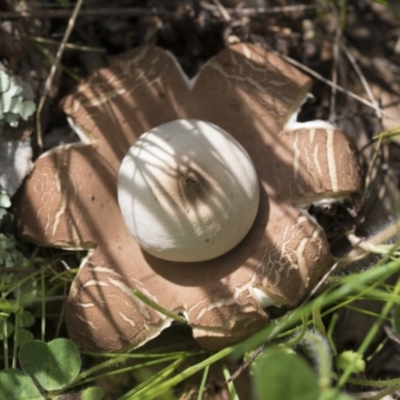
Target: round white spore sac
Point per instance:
(188, 191)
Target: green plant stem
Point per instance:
(153, 380)
(5, 344)
(39, 39)
(296, 339)
(384, 393)
(157, 307)
(43, 321)
(83, 375)
(329, 334)
(158, 390)
(61, 319)
(377, 349)
(318, 346)
(328, 298)
(144, 355)
(317, 320)
(231, 387)
(122, 358)
(363, 311)
(392, 133)
(370, 383)
(20, 283)
(369, 337)
(16, 324)
(126, 369)
(46, 53)
(83, 379)
(203, 383)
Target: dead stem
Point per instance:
(53, 70)
(364, 82)
(254, 11)
(328, 82)
(335, 62)
(93, 13)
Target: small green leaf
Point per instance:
(92, 393)
(26, 319)
(9, 329)
(282, 375)
(23, 336)
(347, 357)
(15, 385)
(53, 365)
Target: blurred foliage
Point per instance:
(13, 105)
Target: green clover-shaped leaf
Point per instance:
(283, 375)
(15, 385)
(52, 365)
(23, 336)
(26, 319)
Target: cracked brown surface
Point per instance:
(70, 200)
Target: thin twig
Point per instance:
(222, 10)
(53, 70)
(71, 46)
(328, 82)
(144, 12)
(391, 334)
(371, 168)
(336, 47)
(50, 58)
(94, 13)
(378, 112)
(254, 11)
(364, 82)
(248, 361)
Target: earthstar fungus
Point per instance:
(70, 199)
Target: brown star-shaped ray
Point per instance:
(70, 200)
